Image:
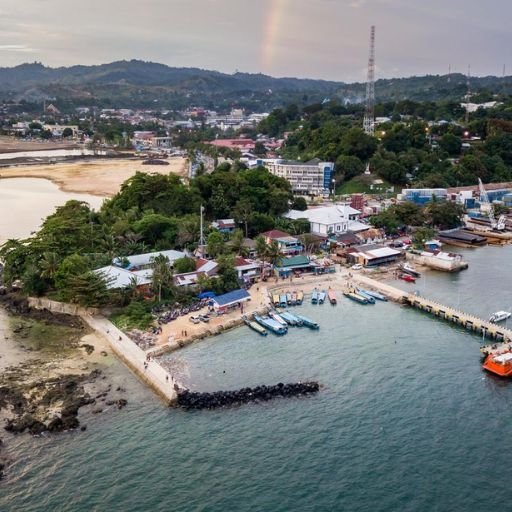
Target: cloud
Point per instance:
(16, 48)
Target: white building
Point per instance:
(306, 178)
(326, 220)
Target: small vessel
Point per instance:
(499, 364)
(254, 326)
(308, 322)
(294, 299)
(368, 297)
(275, 299)
(278, 318)
(355, 297)
(283, 302)
(300, 297)
(314, 297)
(332, 296)
(407, 277)
(290, 318)
(375, 295)
(499, 316)
(408, 269)
(271, 324)
(321, 297)
(289, 299)
(195, 319)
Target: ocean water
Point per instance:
(406, 420)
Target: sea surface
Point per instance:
(406, 420)
(26, 202)
(50, 153)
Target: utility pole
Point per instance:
(468, 95)
(202, 242)
(369, 113)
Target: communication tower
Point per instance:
(369, 113)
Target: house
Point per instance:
(372, 256)
(224, 225)
(230, 300)
(330, 220)
(247, 270)
(295, 264)
(143, 261)
(117, 278)
(371, 236)
(188, 278)
(207, 267)
(287, 244)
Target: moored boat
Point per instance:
(408, 269)
(375, 295)
(355, 297)
(270, 324)
(321, 297)
(367, 296)
(290, 318)
(278, 318)
(275, 299)
(499, 316)
(283, 301)
(294, 298)
(300, 297)
(314, 296)
(308, 322)
(407, 277)
(289, 299)
(332, 296)
(499, 364)
(254, 326)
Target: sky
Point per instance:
(326, 39)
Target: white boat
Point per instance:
(499, 316)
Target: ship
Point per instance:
(321, 297)
(499, 364)
(300, 297)
(314, 297)
(308, 322)
(499, 316)
(332, 296)
(270, 324)
(254, 326)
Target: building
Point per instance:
(287, 244)
(422, 195)
(307, 178)
(371, 257)
(330, 220)
(230, 300)
(293, 265)
(116, 278)
(224, 225)
(247, 270)
(144, 261)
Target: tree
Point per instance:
(242, 213)
(444, 214)
(49, 265)
(348, 167)
(72, 266)
(67, 132)
(228, 278)
(356, 143)
(162, 280)
(451, 144)
(274, 253)
(154, 227)
(89, 289)
(421, 235)
(299, 203)
(261, 249)
(237, 242)
(184, 265)
(215, 244)
(260, 149)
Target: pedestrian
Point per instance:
(167, 378)
(120, 339)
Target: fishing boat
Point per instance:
(294, 298)
(314, 297)
(499, 364)
(290, 318)
(408, 269)
(282, 301)
(275, 299)
(289, 299)
(300, 297)
(407, 277)
(375, 295)
(271, 325)
(277, 317)
(254, 326)
(321, 297)
(368, 297)
(355, 297)
(332, 296)
(499, 316)
(308, 322)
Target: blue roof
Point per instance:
(206, 295)
(232, 297)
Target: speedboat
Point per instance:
(499, 364)
(408, 278)
(408, 269)
(499, 316)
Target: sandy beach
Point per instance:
(15, 145)
(100, 177)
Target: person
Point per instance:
(167, 378)
(120, 338)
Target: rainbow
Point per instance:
(274, 21)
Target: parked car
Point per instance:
(357, 266)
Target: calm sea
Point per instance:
(406, 420)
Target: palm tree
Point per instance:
(237, 243)
(274, 253)
(163, 278)
(49, 265)
(261, 249)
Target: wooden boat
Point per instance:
(300, 297)
(499, 364)
(314, 297)
(290, 318)
(283, 302)
(368, 297)
(408, 269)
(407, 277)
(321, 297)
(332, 296)
(254, 326)
(308, 322)
(271, 325)
(278, 318)
(289, 299)
(355, 297)
(275, 299)
(375, 295)
(294, 299)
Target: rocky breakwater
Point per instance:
(194, 400)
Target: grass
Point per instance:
(362, 184)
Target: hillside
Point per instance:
(142, 84)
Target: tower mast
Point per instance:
(369, 113)
(468, 95)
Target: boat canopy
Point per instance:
(504, 358)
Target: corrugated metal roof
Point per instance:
(232, 297)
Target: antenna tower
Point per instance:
(369, 113)
(468, 94)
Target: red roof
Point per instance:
(239, 261)
(200, 262)
(233, 143)
(274, 234)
